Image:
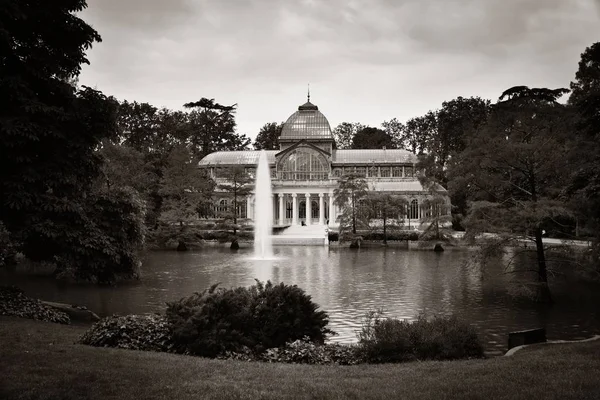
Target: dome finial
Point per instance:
(308, 92)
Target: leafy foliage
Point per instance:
(213, 127)
(184, 188)
(149, 332)
(101, 244)
(351, 190)
(237, 185)
(268, 137)
(513, 171)
(384, 340)
(259, 317)
(388, 209)
(7, 248)
(304, 351)
(344, 134)
(14, 302)
(372, 138)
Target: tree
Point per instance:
(418, 133)
(457, 119)
(237, 184)
(385, 207)
(584, 188)
(268, 137)
(515, 168)
(587, 77)
(344, 133)
(395, 129)
(184, 188)
(372, 138)
(213, 128)
(351, 190)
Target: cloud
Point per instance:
(366, 59)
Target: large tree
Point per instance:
(386, 208)
(213, 128)
(351, 191)
(237, 184)
(50, 130)
(515, 168)
(418, 132)
(396, 130)
(372, 138)
(344, 133)
(268, 137)
(457, 119)
(184, 187)
(584, 187)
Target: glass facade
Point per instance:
(304, 165)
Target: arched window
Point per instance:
(222, 207)
(314, 209)
(302, 209)
(304, 164)
(413, 210)
(289, 209)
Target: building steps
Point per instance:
(312, 235)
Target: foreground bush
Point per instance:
(305, 352)
(262, 316)
(14, 302)
(134, 332)
(441, 338)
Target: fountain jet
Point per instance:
(263, 209)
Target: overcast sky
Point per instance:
(366, 60)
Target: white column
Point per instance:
(294, 209)
(308, 208)
(281, 208)
(249, 210)
(321, 209)
(331, 210)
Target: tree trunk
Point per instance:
(544, 294)
(384, 230)
(353, 215)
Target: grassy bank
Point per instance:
(40, 361)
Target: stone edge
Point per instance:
(515, 349)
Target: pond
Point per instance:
(347, 284)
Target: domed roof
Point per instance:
(306, 123)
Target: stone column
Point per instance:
(281, 208)
(331, 210)
(294, 209)
(308, 208)
(321, 208)
(249, 210)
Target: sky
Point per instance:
(366, 61)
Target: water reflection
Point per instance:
(347, 284)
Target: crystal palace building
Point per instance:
(305, 170)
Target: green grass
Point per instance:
(39, 360)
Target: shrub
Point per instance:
(7, 248)
(135, 332)
(303, 351)
(14, 302)
(441, 338)
(262, 316)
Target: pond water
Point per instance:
(347, 284)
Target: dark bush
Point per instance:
(259, 317)
(135, 332)
(14, 302)
(333, 236)
(7, 248)
(441, 338)
(303, 351)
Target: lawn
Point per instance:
(39, 360)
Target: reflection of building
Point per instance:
(304, 172)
